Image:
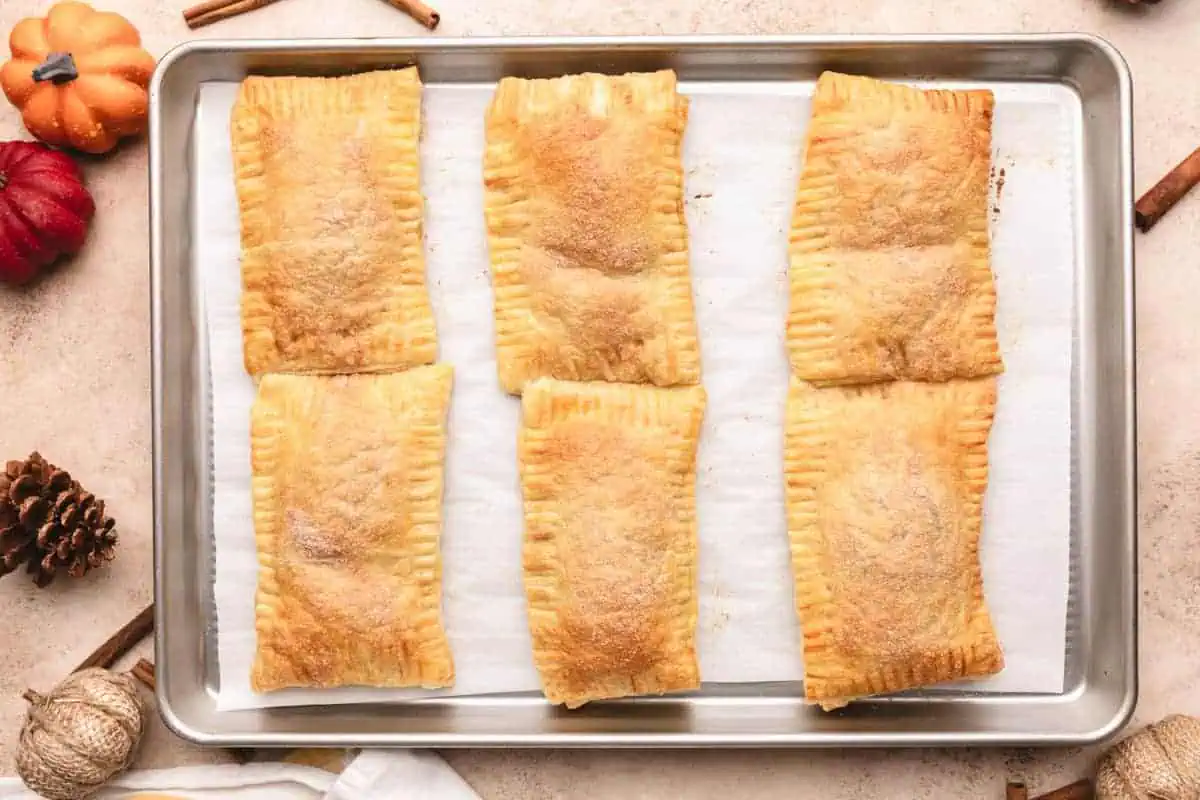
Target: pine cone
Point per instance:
(47, 521)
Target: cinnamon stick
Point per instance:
(116, 645)
(418, 11)
(1167, 192)
(143, 671)
(200, 9)
(1015, 790)
(122, 641)
(1079, 790)
(211, 11)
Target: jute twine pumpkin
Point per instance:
(1161, 762)
(81, 734)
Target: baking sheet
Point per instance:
(741, 158)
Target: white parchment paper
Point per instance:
(741, 156)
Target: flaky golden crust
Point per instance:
(347, 486)
(333, 265)
(890, 275)
(608, 473)
(589, 251)
(884, 491)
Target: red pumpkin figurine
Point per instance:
(45, 209)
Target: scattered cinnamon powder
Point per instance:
(19, 306)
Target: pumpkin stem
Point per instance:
(58, 67)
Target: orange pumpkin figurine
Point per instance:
(79, 77)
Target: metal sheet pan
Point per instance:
(1101, 663)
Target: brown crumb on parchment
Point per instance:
(996, 179)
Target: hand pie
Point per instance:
(889, 246)
(332, 262)
(584, 202)
(347, 485)
(608, 473)
(885, 490)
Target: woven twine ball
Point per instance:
(81, 734)
(1161, 762)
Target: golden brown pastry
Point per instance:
(608, 473)
(347, 483)
(584, 202)
(889, 246)
(333, 268)
(884, 492)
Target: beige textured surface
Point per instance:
(74, 377)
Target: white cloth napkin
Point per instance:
(373, 775)
(400, 774)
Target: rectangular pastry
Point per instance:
(890, 275)
(608, 473)
(884, 492)
(333, 266)
(589, 251)
(347, 486)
